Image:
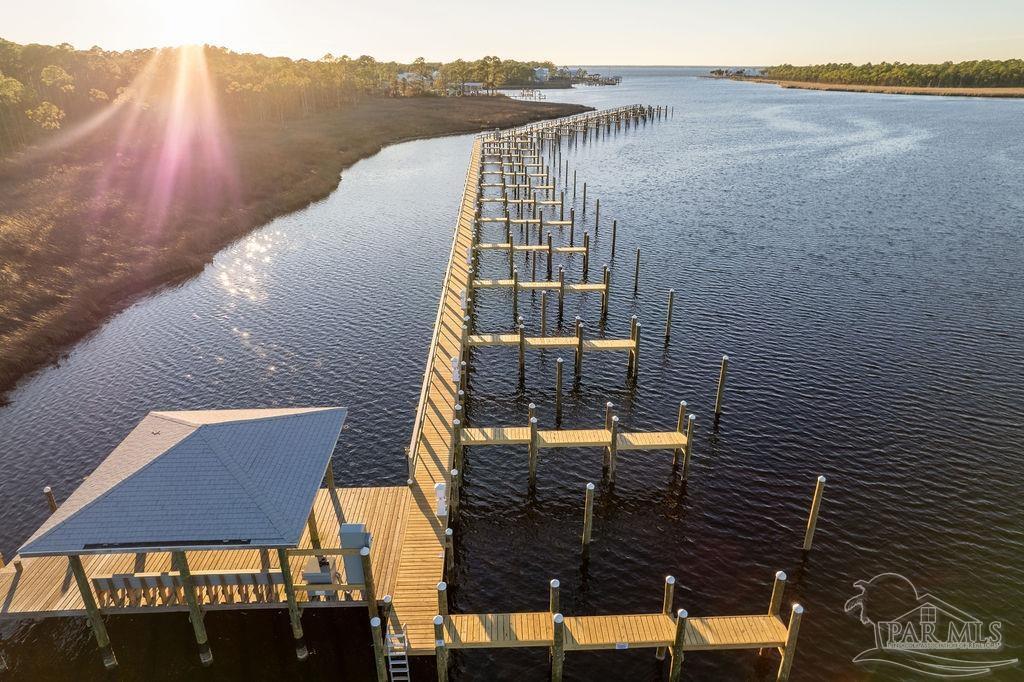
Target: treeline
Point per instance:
(976, 74)
(44, 88)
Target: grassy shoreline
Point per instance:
(890, 89)
(78, 243)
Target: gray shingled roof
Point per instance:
(222, 479)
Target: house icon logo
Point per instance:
(922, 633)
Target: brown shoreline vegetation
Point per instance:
(1009, 92)
(79, 241)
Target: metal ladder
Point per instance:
(398, 658)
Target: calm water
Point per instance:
(857, 256)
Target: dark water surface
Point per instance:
(858, 257)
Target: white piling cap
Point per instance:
(375, 622)
(455, 472)
(558, 618)
(438, 620)
(609, 404)
(559, 360)
(387, 599)
(439, 487)
(590, 486)
(442, 586)
(797, 609)
(681, 613)
(615, 418)
(456, 422)
(821, 479)
(555, 583)
(449, 532)
(780, 575)
(47, 489)
(533, 420)
(533, 406)
(364, 551)
(725, 358)
(670, 579)
(692, 417)
(682, 403)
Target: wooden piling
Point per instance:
(579, 348)
(636, 273)
(534, 448)
(666, 608)
(558, 391)
(557, 647)
(615, 226)
(457, 439)
(369, 589)
(775, 605)
(572, 227)
(597, 215)
(689, 445)
(584, 198)
(812, 517)
(543, 313)
(551, 250)
(99, 630)
(442, 598)
(679, 453)
(50, 499)
(522, 351)
(293, 607)
(588, 515)
(515, 294)
(449, 548)
(668, 315)
(440, 650)
(676, 668)
(613, 448)
(721, 386)
(561, 292)
(379, 654)
(606, 277)
(789, 650)
(586, 255)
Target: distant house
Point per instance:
(472, 88)
(541, 74)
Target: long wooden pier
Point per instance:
(398, 571)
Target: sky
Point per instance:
(568, 32)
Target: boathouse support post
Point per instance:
(369, 588)
(557, 647)
(812, 517)
(554, 587)
(534, 446)
(678, 453)
(721, 386)
(99, 630)
(378, 649)
(789, 650)
(675, 672)
(293, 606)
(588, 517)
(440, 650)
(195, 614)
(666, 608)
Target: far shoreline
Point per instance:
(1004, 93)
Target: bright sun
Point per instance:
(194, 22)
